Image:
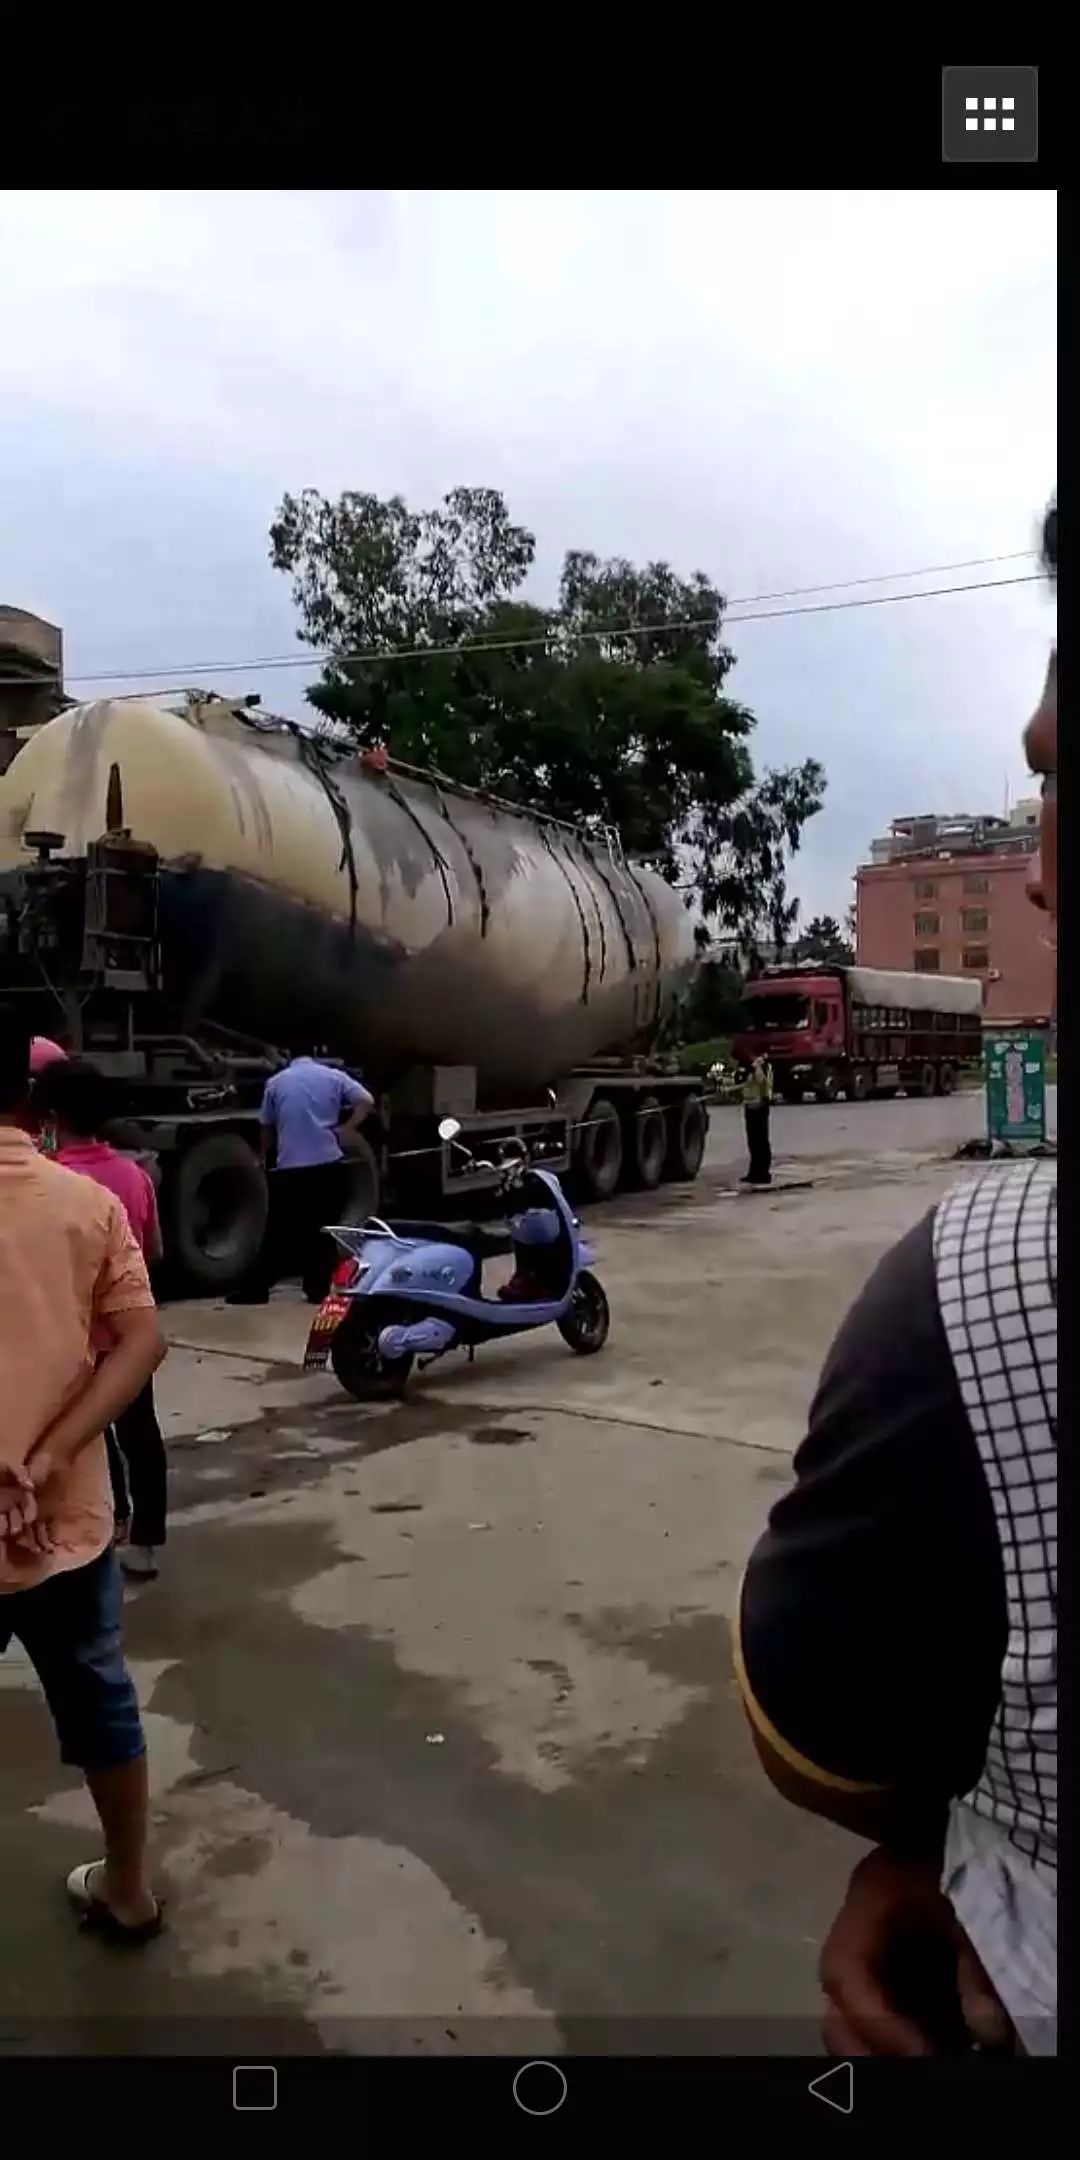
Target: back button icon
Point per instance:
(836, 2088)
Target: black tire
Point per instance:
(585, 1326)
(215, 1207)
(793, 1094)
(364, 1184)
(947, 1079)
(862, 1084)
(355, 1359)
(686, 1142)
(928, 1081)
(600, 1155)
(648, 1142)
(827, 1088)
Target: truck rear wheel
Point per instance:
(647, 1128)
(215, 1212)
(927, 1081)
(947, 1079)
(686, 1145)
(862, 1084)
(600, 1156)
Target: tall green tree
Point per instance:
(714, 1002)
(609, 708)
(824, 940)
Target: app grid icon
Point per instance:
(989, 115)
(989, 119)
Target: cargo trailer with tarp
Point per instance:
(862, 1032)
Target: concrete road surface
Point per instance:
(871, 1128)
(445, 1748)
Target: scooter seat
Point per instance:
(482, 1241)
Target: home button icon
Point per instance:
(540, 2088)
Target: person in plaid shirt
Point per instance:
(896, 1639)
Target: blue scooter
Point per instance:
(414, 1289)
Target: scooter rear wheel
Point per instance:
(585, 1326)
(357, 1361)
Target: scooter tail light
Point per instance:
(345, 1273)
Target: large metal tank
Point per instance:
(398, 919)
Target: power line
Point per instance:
(922, 592)
(792, 592)
(373, 655)
(886, 577)
(482, 645)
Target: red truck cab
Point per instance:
(860, 1031)
(798, 1022)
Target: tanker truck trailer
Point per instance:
(189, 891)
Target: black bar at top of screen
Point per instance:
(814, 120)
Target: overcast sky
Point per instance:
(782, 390)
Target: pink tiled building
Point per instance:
(949, 896)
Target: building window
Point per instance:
(925, 888)
(927, 925)
(928, 961)
(974, 921)
(976, 959)
(976, 884)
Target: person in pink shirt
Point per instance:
(43, 1052)
(74, 1102)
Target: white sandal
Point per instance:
(96, 1914)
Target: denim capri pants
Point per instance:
(69, 1626)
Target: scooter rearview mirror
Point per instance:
(449, 1128)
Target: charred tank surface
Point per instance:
(400, 919)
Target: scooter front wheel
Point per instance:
(358, 1362)
(585, 1325)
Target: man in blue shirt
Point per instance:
(308, 1109)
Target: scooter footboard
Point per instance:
(422, 1338)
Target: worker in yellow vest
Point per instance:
(757, 1097)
